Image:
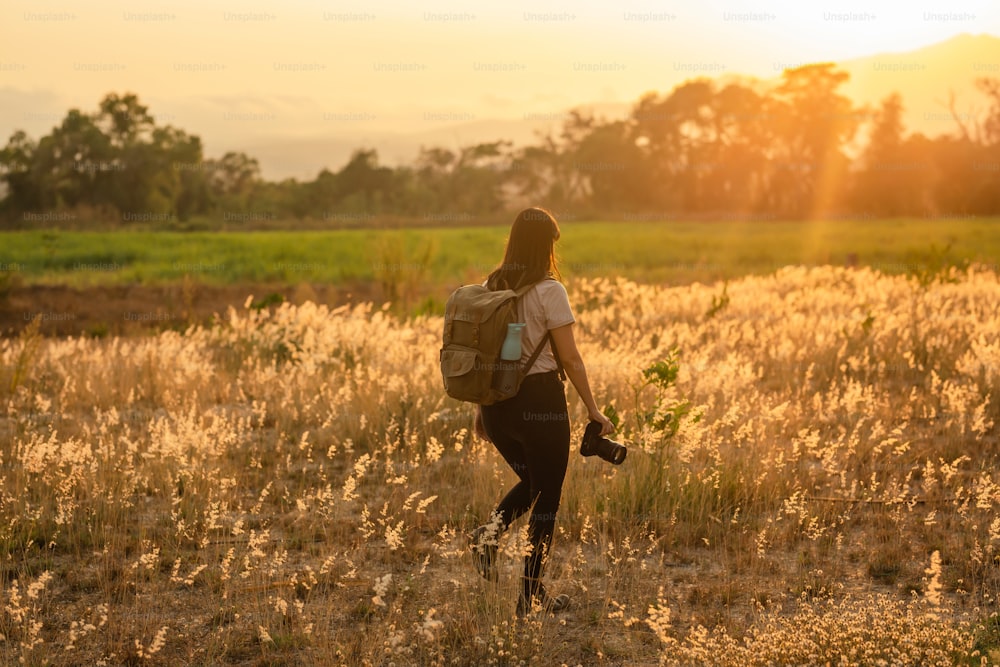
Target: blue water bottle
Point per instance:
(505, 379)
(511, 350)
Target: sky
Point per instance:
(238, 72)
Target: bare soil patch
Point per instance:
(116, 310)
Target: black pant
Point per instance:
(531, 432)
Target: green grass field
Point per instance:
(656, 252)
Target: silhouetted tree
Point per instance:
(73, 164)
(705, 147)
(811, 123)
(17, 170)
(894, 174)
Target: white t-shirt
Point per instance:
(545, 306)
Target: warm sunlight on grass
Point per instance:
(291, 485)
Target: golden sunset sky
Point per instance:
(242, 74)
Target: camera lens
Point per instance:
(593, 443)
(616, 453)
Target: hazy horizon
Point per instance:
(301, 85)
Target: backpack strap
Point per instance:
(538, 350)
(521, 291)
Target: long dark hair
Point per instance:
(530, 254)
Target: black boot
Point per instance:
(549, 604)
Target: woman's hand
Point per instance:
(606, 425)
(479, 428)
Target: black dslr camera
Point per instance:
(594, 443)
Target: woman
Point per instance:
(531, 430)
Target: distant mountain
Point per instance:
(927, 79)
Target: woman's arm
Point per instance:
(569, 355)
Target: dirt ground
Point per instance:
(132, 309)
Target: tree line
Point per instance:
(795, 149)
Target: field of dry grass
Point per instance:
(291, 486)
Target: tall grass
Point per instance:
(812, 479)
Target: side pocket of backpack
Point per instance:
(461, 370)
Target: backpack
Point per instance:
(475, 325)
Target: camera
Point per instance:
(594, 443)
